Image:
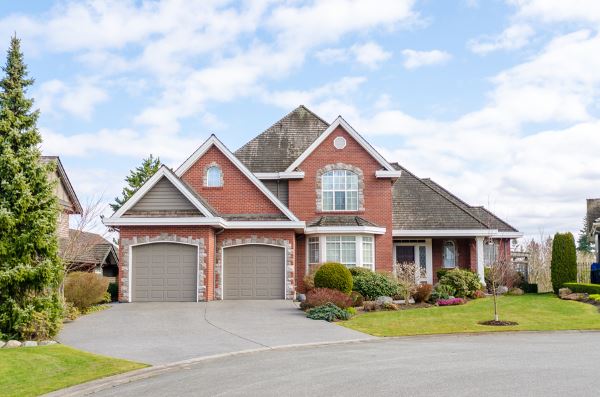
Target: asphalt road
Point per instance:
(507, 364)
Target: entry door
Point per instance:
(416, 254)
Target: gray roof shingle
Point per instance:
(86, 247)
(277, 147)
(340, 220)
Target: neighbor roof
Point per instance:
(277, 147)
(90, 248)
(340, 220)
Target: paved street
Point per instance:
(514, 364)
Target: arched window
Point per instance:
(449, 254)
(340, 190)
(214, 176)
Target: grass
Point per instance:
(543, 312)
(31, 371)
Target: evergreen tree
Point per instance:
(584, 243)
(30, 269)
(563, 267)
(136, 179)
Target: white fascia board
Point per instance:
(361, 141)
(264, 225)
(141, 192)
(180, 221)
(445, 233)
(213, 140)
(280, 175)
(388, 174)
(344, 230)
(508, 235)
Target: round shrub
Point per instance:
(563, 267)
(464, 282)
(423, 293)
(335, 276)
(84, 289)
(373, 285)
(320, 296)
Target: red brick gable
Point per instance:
(238, 195)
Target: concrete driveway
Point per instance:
(161, 333)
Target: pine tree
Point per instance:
(30, 269)
(563, 267)
(136, 179)
(584, 243)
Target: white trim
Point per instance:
(427, 243)
(149, 184)
(388, 174)
(204, 221)
(445, 233)
(130, 272)
(344, 230)
(264, 225)
(339, 121)
(279, 175)
(507, 235)
(480, 259)
(285, 264)
(214, 141)
(358, 249)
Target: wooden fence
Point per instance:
(520, 261)
(584, 270)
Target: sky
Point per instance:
(498, 101)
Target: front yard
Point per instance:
(544, 312)
(31, 371)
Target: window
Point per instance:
(423, 261)
(341, 249)
(367, 252)
(340, 190)
(214, 176)
(449, 254)
(313, 250)
(490, 253)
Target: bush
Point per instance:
(335, 276)
(442, 291)
(113, 290)
(464, 282)
(357, 298)
(38, 327)
(515, 291)
(529, 288)
(583, 288)
(106, 298)
(563, 267)
(373, 285)
(423, 293)
(309, 279)
(328, 312)
(351, 311)
(441, 273)
(357, 271)
(479, 294)
(70, 312)
(85, 289)
(321, 296)
(451, 302)
(595, 297)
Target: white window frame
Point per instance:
(313, 241)
(445, 242)
(489, 258)
(218, 178)
(322, 238)
(345, 190)
(427, 243)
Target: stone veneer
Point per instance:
(340, 166)
(289, 266)
(205, 175)
(162, 238)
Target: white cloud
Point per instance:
(415, 59)
(79, 99)
(558, 10)
(369, 54)
(512, 38)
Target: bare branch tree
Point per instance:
(408, 275)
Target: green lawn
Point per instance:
(31, 371)
(542, 312)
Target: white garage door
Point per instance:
(164, 272)
(254, 272)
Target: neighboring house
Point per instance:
(593, 223)
(90, 252)
(250, 224)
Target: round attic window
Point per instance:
(339, 142)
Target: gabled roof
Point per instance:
(63, 177)
(214, 141)
(86, 247)
(282, 143)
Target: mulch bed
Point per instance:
(499, 323)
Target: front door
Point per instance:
(416, 254)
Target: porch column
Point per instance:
(480, 267)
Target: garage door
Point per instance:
(254, 272)
(164, 272)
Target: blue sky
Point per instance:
(496, 100)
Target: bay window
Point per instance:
(346, 249)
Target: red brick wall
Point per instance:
(238, 195)
(463, 252)
(377, 192)
(300, 262)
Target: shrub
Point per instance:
(321, 296)
(563, 267)
(451, 302)
(529, 288)
(515, 291)
(370, 306)
(335, 276)
(583, 288)
(357, 271)
(70, 312)
(106, 298)
(441, 273)
(38, 327)
(328, 312)
(357, 298)
(595, 297)
(351, 311)
(464, 282)
(309, 279)
(479, 294)
(423, 293)
(442, 291)
(85, 289)
(113, 289)
(373, 285)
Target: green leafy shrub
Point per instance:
(563, 267)
(441, 273)
(583, 288)
(357, 298)
(529, 288)
(351, 311)
(106, 298)
(320, 296)
(70, 312)
(357, 271)
(335, 276)
(38, 327)
(85, 289)
(372, 285)
(113, 290)
(309, 279)
(464, 282)
(328, 312)
(595, 297)
(479, 294)
(423, 293)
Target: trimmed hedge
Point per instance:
(583, 288)
(563, 267)
(334, 276)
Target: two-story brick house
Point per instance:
(249, 224)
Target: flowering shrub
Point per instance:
(451, 302)
(320, 296)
